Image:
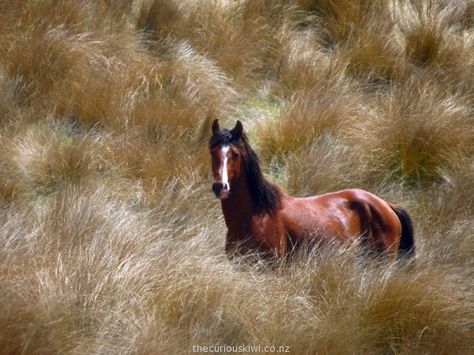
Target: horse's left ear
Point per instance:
(215, 126)
(237, 130)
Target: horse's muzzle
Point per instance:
(220, 190)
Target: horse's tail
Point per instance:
(406, 249)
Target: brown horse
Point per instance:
(261, 217)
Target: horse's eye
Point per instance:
(235, 155)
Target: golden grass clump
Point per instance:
(45, 56)
(179, 92)
(332, 105)
(41, 157)
(435, 40)
(420, 130)
(220, 29)
(342, 18)
(326, 165)
(364, 32)
(350, 296)
(111, 240)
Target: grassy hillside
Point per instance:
(110, 238)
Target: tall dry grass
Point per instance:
(111, 241)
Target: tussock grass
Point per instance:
(111, 240)
(329, 164)
(325, 108)
(344, 17)
(41, 157)
(423, 128)
(435, 42)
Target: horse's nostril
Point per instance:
(217, 187)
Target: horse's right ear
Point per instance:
(215, 126)
(237, 130)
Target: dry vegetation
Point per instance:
(111, 241)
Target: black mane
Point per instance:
(265, 195)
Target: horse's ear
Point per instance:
(215, 126)
(237, 130)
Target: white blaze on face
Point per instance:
(225, 178)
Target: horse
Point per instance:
(261, 217)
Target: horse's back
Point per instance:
(320, 217)
(344, 215)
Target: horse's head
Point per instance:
(226, 157)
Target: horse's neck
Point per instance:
(239, 207)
